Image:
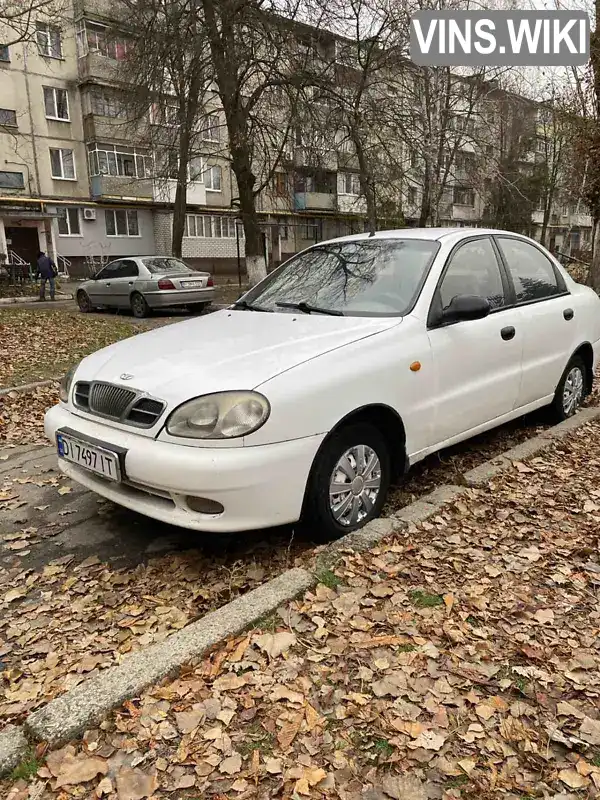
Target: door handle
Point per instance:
(131, 283)
(108, 284)
(568, 313)
(508, 333)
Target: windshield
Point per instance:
(357, 278)
(165, 265)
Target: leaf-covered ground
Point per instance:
(460, 659)
(38, 344)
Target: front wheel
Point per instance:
(84, 303)
(348, 483)
(139, 306)
(570, 391)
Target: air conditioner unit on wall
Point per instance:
(89, 213)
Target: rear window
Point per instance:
(165, 264)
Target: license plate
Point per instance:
(95, 459)
(191, 284)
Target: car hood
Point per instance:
(223, 350)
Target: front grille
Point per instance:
(109, 400)
(118, 403)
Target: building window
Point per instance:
(284, 232)
(121, 223)
(4, 54)
(121, 161)
(308, 231)
(8, 117)
(414, 159)
(412, 195)
(11, 180)
(212, 178)
(95, 38)
(281, 184)
(106, 104)
(68, 221)
(211, 128)
(62, 164)
(56, 103)
(201, 226)
(167, 115)
(48, 40)
(348, 183)
(463, 197)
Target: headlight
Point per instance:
(223, 415)
(65, 385)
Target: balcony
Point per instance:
(315, 201)
(121, 188)
(164, 192)
(351, 204)
(94, 66)
(97, 128)
(465, 213)
(97, 9)
(314, 157)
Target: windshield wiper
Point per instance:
(250, 306)
(307, 308)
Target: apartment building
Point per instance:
(78, 178)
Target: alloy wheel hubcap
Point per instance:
(573, 390)
(355, 485)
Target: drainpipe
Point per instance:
(31, 125)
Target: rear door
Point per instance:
(477, 363)
(546, 317)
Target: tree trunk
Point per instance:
(366, 184)
(425, 200)
(256, 265)
(594, 272)
(545, 222)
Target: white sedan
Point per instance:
(355, 359)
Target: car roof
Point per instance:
(428, 234)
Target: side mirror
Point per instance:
(466, 307)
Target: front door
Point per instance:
(101, 290)
(25, 242)
(121, 282)
(477, 363)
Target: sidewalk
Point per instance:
(457, 660)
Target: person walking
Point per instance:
(46, 270)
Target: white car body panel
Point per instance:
(315, 370)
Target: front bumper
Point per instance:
(259, 487)
(184, 297)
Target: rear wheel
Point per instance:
(348, 483)
(84, 303)
(139, 306)
(570, 391)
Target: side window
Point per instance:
(127, 269)
(473, 270)
(108, 271)
(533, 275)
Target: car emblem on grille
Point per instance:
(125, 376)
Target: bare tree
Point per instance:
(18, 18)
(167, 94)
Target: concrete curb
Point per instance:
(74, 712)
(9, 301)
(27, 387)
(13, 748)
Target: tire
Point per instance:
(84, 303)
(139, 306)
(328, 516)
(570, 391)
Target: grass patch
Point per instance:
(27, 769)
(406, 648)
(39, 344)
(268, 622)
(456, 781)
(596, 759)
(383, 748)
(328, 578)
(425, 600)
(257, 738)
